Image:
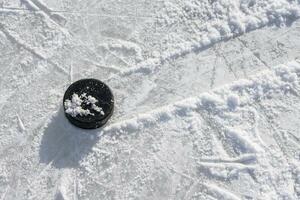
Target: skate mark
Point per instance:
(275, 129)
(255, 54)
(118, 57)
(220, 193)
(36, 5)
(236, 166)
(71, 72)
(217, 131)
(106, 15)
(240, 141)
(113, 68)
(294, 138)
(212, 190)
(226, 169)
(20, 43)
(93, 48)
(47, 18)
(13, 9)
(29, 5)
(221, 55)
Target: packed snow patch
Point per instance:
(74, 106)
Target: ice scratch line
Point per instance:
(253, 53)
(21, 124)
(75, 188)
(240, 159)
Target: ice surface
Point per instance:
(207, 100)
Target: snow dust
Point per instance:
(74, 106)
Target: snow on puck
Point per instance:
(88, 103)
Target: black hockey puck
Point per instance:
(88, 103)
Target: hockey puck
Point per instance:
(88, 103)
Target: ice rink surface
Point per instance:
(206, 95)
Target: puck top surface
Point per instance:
(88, 103)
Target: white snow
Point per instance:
(74, 105)
(206, 99)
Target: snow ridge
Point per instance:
(223, 20)
(283, 79)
